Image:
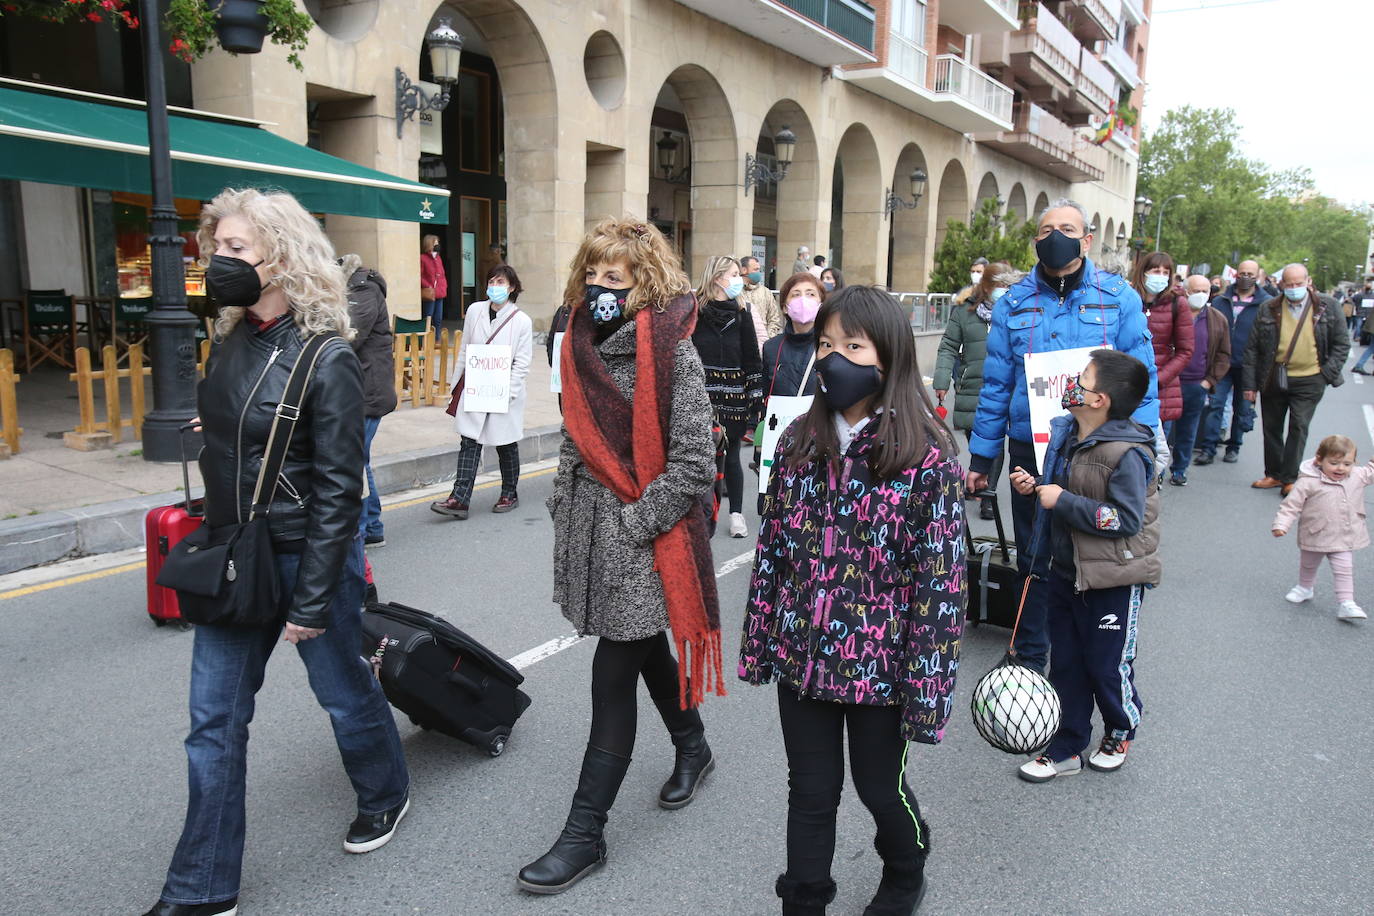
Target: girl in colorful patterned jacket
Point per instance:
(857, 597)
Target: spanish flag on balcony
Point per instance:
(1103, 132)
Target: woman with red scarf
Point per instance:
(630, 505)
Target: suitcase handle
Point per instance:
(186, 469)
(473, 687)
(991, 496)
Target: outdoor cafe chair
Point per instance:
(49, 330)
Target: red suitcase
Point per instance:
(163, 527)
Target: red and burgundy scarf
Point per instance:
(625, 446)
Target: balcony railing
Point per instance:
(1035, 120)
(849, 19)
(1104, 19)
(1134, 11)
(954, 75)
(1115, 56)
(907, 59)
(1049, 39)
(1095, 81)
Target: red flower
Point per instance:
(107, 4)
(93, 17)
(11, 8)
(76, 2)
(177, 46)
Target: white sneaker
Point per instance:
(1110, 755)
(1349, 610)
(1043, 769)
(738, 528)
(1297, 594)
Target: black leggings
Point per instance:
(616, 670)
(734, 473)
(813, 733)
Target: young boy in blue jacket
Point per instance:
(1097, 543)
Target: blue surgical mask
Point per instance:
(998, 292)
(829, 285)
(1296, 294)
(755, 276)
(497, 295)
(734, 287)
(1156, 283)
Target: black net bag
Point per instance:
(1015, 708)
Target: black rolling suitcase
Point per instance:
(442, 678)
(994, 582)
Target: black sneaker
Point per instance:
(223, 908)
(374, 540)
(1178, 480)
(1232, 456)
(373, 831)
(1204, 458)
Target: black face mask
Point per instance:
(845, 383)
(233, 282)
(1057, 251)
(606, 305)
(1244, 283)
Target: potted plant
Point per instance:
(238, 26)
(115, 12)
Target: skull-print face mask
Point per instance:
(604, 303)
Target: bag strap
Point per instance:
(500, 326)
(284, 422)
(1293, 344)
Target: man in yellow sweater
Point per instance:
(1297, 348)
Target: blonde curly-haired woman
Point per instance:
(274, 275)
(632, 557)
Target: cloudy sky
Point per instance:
(1299, 74)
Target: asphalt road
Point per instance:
(1246, 792)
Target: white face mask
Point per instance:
(1156, 283)
(976, 277)
(1197, 300)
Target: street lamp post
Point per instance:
(1159, 226)
(1143, 206)
(171, 328)
(895, 202)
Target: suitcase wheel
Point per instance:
(157, 621)
(497, 745)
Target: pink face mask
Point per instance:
(803, 309)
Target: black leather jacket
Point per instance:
(317, 505)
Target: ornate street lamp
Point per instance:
(1143, 206)
(445, 52)
(918, 188)
(757, 172)
(668, 147)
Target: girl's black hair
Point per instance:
(907, 424)
(505, 270)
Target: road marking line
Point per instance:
(1369, 420)
(71, 580)
(1357, 378)
(567, 641)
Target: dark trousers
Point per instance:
(1032, 639)
(1182, 433)
(616, 670)
(1242, 414)
(731, 468)
(1284, 452)
(470, 458)
(1094, 635)
(813, 734)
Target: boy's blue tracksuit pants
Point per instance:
(1093, 635)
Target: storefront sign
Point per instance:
(431, 122)
(556, 372)
(1047, 375)
(469, 260)
(486, 378)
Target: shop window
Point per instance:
(474, 121)
(133, 259)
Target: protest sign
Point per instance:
(1047, 375)
(486, 385)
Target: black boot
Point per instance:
(904, 880)
(580, 849)
(694, 757)
(808, 898)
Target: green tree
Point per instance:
(991, 235)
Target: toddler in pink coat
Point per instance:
(1327, 502)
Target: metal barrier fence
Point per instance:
(927, 311)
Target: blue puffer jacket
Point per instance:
(1103, 310)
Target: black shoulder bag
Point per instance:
(227, 576)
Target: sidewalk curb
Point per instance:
(118, 525)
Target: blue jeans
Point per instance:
(434, 311)
(227, 667)
(1364, 357)
(1182, 432)
(1242, 413)
(370, 524)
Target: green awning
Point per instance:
(72, 139)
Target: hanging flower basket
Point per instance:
(115, 12)
(238, 26)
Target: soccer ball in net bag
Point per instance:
(1015, 708)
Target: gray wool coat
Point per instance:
(603, 553)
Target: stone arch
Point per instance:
(908, 264)
(1042, 200)
(952, 202)
(1095, 227)
(789, 218)
(861, 252)
(1016, 202)
(715, 161)
(1108, 240)
(987, 190)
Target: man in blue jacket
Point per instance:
(1239, 305)
(1063, 304)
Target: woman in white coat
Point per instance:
(494, 321)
